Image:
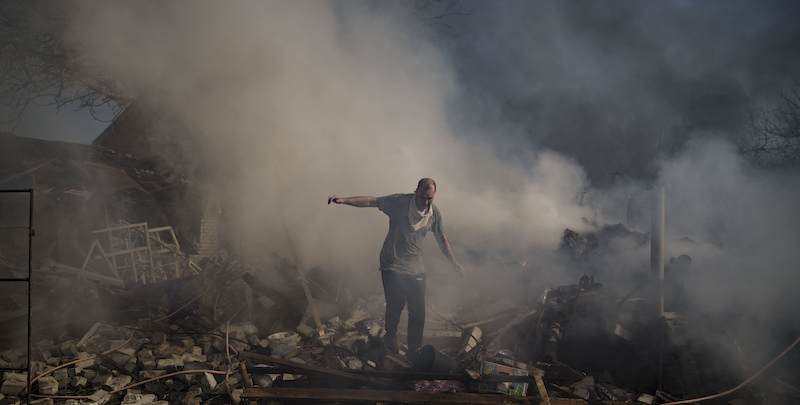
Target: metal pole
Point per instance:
(31, 234)
(657, 276)
(657, 250)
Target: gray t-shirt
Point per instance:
(402, 249)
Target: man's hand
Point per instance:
(361, 201)
(458, 268)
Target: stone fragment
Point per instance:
(117, 382)
(48, 385)
(13, 387)
(100, 397)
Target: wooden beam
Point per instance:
(394, 396)
(537, 374)
(61, 269)
(310, 369)
(31, 170)
(329, 395)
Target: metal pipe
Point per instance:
(657, 250)
(657, 276)
(31, 234)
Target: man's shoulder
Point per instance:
(393, 197)
(385, 202)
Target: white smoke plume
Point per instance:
(290, 102)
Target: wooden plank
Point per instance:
(118, 228)
(537, 374)
(304, 282)
(395, 396)
(97, 244)
(62, 269)
(29, 171)
(328, 395)
(311, 369)
(246, 381)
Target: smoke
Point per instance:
(288, 103)
(527, 131)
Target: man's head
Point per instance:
(423, 195)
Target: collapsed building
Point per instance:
(146, 304)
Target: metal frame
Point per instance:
(31, 234)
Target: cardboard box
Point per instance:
(518, 389)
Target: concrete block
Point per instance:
(89, 374)
(119, 359)
(127, 350)
(12, 354)
(240, 346)
(61, 375)
(100, 378)
(86, 363)
(117, 382)
(78, 381)
(138, 399)
(13, 387)
(357, 315)
(236, 395)
(69, 348)
(208, 381)
(146, 359)
(37, 367)
(189, 357)
(100, 397)
(646, 399)
(10, 375)
(169, 363)
(148, 374)
(48, 385)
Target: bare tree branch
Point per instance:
(39, 67)
(773, 133)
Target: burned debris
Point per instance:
(136, 309)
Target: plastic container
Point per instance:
(282, 343)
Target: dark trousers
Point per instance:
(400, 289)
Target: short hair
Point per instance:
(426, 183)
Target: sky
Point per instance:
(532, 117)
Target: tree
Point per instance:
(773, 134)
(38, 65)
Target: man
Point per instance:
(411, 216)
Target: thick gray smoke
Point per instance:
(513, 112)
(292, 102)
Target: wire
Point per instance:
(80, 360)
(433, 309)
(736, 388)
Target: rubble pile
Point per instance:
(230, 335)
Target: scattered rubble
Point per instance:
(196, 339)
(135, 315)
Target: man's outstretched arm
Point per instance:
(444, 246)
(362, 201)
